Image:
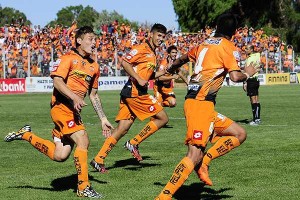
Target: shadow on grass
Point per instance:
(131, 164)
(243, 121)
(61, 184)
(167, 126)
(197, 191)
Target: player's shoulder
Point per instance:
(69, 55)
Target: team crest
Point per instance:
(75, 62)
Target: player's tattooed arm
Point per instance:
(96, 102)
(106, 125)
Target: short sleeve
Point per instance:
(61, 67)
(231, 58)
(133, 56)
(192, 54)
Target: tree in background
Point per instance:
(85, 16)
(11, 16)
(88, 16)
(106, 17)
(277, 16)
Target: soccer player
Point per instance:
(74, 75)
(251, 86)
(213, 59)
(162, 89)
(135, 102)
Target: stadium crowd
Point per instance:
(45, 45)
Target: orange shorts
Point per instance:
(65, 120)
(203, 121)
(140, 107)
(163, 94)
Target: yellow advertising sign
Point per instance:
(276, 79)
(298, 75)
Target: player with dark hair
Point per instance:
(213, 59)
(135, 102)
(74, 75)
(251, 86)
(162, 89)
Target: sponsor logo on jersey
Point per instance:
(194, 87)
(71, 123)
(197, 135)
(214, 41)
(82, 75)
(151, 65)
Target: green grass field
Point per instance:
(266, 166)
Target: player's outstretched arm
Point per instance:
(178, 63)
(238, 76)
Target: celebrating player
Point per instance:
(162, 89)
(75, 75)
(135, 101)
(213, 59)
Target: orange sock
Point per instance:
(44, 146)
(180, 174)
(106, 148)
(148, 130)
(221, 147)
(80, 161)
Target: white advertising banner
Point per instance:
(228, 82)
(112, 83)
(39, 84)
(45, 84)
(262, 79)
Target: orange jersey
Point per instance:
(162, 67)
(143, 60)
(213, 59)
(79, 73)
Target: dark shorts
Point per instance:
(252, 87)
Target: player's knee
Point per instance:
(165, 119)
(172, 103)
(61, 157)
(241, 135)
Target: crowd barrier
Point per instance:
(45, 84)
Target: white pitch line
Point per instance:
(271, 125)
(177, 118)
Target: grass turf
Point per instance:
(266, 166)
